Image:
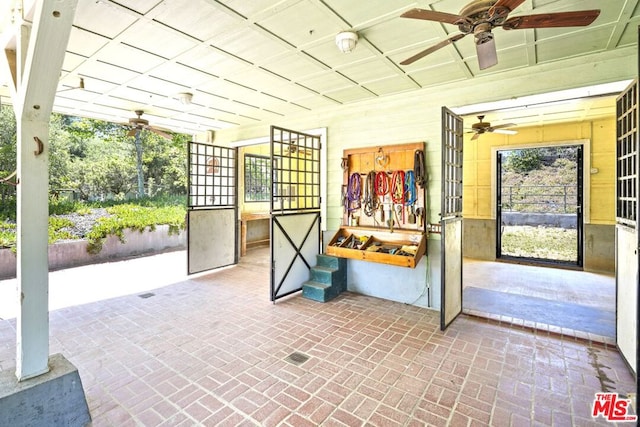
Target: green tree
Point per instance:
(523, 161)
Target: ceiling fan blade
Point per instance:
(504, 131)
(506, 125)
(159, 132)
(432, 49)
(432, 15)
(132, 132)
(475, 136)
(487, 54)
(507, 4)
(580, 18)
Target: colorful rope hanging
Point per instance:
(418, 168)
(371, 201)
(410, 195)
(397, 187)
(354, 191)
(382, 184)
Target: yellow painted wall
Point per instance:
(601, 134)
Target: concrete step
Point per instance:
(321, 292)
(325, 275)
(331, 261)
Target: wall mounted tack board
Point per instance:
(394, 157)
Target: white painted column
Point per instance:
(34, 59)
(33, 264)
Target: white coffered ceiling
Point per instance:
(252, 61)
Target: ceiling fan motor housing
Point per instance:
(138, 121)
(480, 18)
(480, 126)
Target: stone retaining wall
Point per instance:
(74, 253)
(535, 219)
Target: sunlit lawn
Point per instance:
(540, 242)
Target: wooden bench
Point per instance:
(244, 219)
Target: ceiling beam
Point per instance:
(618, 30)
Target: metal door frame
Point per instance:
(627, 217)
(295, 157)
(451, 214)
(579, 262)
(212, 201)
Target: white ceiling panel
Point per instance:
(212, 61)
(437, 75)
(390, 85)
(105, 72)
(156, 86)
(365, 72)
(196, 18)
(560, 47)
(187, 76)
(294, 66)
(255, 61)
(351, 94)
(84, 43)
(139, 6)
(252, 45)
(302, 23)
(113, 20)
(72, 61)
(407, 33)
(157, 39)
(129, 57)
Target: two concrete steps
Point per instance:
(328, 279)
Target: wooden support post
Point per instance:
(34, 57)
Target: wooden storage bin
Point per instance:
(398, 239)
(341, 248)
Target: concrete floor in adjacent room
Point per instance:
(570, 302)
(213, 350)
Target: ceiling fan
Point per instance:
(293, 148)
(485, 127)
(481, 16)
(138, 124)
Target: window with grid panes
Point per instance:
(257, 182)
(626, 155)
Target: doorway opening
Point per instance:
(539, 205)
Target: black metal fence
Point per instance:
(540, 198)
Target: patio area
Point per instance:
(213, 350)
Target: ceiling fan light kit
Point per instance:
(346, 41)
(185, 98)
(480, 17)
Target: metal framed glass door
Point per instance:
(212, 229)
(295, 209)
(451, 218)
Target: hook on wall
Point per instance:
(382, 159)
(40, 146)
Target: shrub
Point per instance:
(135, 217)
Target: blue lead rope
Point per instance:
(410, 195)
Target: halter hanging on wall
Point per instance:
(382, 159)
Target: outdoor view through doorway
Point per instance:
(539, 202)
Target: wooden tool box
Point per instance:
(393, 233)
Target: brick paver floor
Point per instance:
(213, 350)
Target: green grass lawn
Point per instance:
(540, 242)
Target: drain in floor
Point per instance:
(147, 295)
(297, 358)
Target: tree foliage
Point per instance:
(97, 160)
